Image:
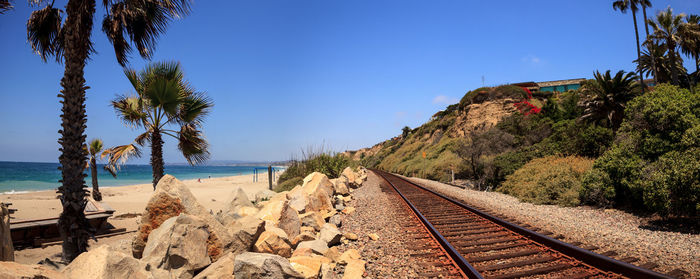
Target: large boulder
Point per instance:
(273, 243)
(298, 200)
(221, 269)
(317, 181)
(289, 221)
(263, 266)
(309, 266)
(13, 270)
(244, 232)
(182, 245)
(312, 219)
(272, 209)
(340, 185)
(330, 234)
(317, 246)
(303, 236)
(264, 195)
(235, 202)
(354, 269)
(170, 199)
(350, 175)
(7, 251)
(106, 262)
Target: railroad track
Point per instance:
(484, 246)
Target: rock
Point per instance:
(238, 199)
(244, 233)
(223, 268)
(373, 236)
(318, 201)
(348, 210)
(317, 181)
(247, 211)
(298, 202)
(354, 269)
(350, 254)
(317, 246)
(259, 266)
(105, 262)
(339, 207)
(272, 209)
(326, 271)
(350, 176)
(13, 270)
(328, 214)
(350, 236)
(308, 266)
(180, 245)
(304, 236)
(272, 243)
(302, 252)
(336, 220)
(170, 199)
(340, 185)
(347, 199)
(312, 219)
(308, 229)
(7, 251)
(264, 195)
(289, 221)
(330, 234)
(332, 253)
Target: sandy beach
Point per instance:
(128, 201)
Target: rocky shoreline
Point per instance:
(291, 234)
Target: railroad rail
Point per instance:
(485, 246)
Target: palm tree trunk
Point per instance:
(674, 70)
(156, 156)
(96, 195)
(651, 53)
(72, 224)
(639, 52)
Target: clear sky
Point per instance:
(290, 74)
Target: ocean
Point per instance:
(24, 176)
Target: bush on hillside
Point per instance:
(548, 180)
(651, 165)
(484, 94)
(289, 184)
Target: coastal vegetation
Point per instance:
(163, 99)
(95, 149)
(69, 42)
(313, 160)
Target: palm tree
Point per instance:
(163, 98)
(605, 97)
(655, 59)
(94, 149)
(633, 5)
(690, 39)
(666, 30)
(69, 42)
(5, 5)
(644, 4)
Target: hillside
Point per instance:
(439, 138)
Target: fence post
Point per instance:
(269, 175)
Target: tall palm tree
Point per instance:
(666, 30)
(660, 64)
(69, 42)
(632, 5)
(605, 97)
(163, 98)
(644, 4)
(690, 39)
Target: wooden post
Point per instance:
(269, 176)
(453, 176)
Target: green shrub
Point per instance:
(597, 189)
(672, 184)
(548, 180)
(329, 164)
(289, 184)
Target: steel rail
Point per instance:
(593, 259)
(466, 268)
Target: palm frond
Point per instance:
(193, 145)
(119, 155)
(5, 5)
(194, 107)
(113, 25)
(129, 110)
(95, 147)
(143, 138)
(44, 32)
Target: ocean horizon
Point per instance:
(19, 177)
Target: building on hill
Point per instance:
(552, 86)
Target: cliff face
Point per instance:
(430, 150)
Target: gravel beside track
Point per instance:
(608, 229)
(380, 213)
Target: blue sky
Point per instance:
(290, 74)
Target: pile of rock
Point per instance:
(291, 234)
